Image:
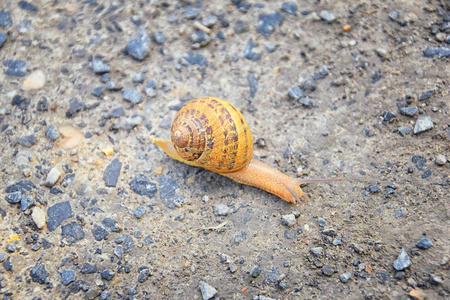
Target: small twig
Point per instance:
(201, 27)
(213, 227)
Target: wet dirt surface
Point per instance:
(92, 209)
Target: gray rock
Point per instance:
(52, 133)
(440, 159)
(249, 52)
(424, 243)
(138, 78)
(118, 251)
(327, 16)
(322, 222)
(268, 22)
(239, 238)
(425, 95)
(99, 66)
(75, 106)
(169, 192)
(327, 270)
(112, 173)
(39, 274)
(288, 220)
(52, 177)
(57, 214)
(27, 141)
(190, 13)
(404, 130)
(241, 26)
(207, 291)
(329, 231)
(17, 68)
(337, 241)
(423, 124)
(306, 102)
(394, 15)
(14, 197)
(273, 277)
(408, 111)
(67, 276)
(151, 92)
(435, 279)
(112, 86)
(290, 8)
(107, 274)
(131, 95)
(100, 232)
(3, 38)
(290, 234)
(139, 46)
(139, 212)
(210, 21)
(88, 268)
(270, 46)
(388, 116)
(26, 202)
(295, 92)
(20, 186)
(159, 38)
(128, 243)
(72, 232)
(345, 277)
(255, 271)
(440, 52)
(5, 19)
(317, 251)
(10, 248)
(232, 266)
(98, 91)
(200, 38)
(402, 262)
(221, 210)
(193, 58)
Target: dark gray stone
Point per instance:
(239, 238)
(107, 274)
(408, 111)
(290, 234)
(255, 271)
(112, 86)
(268, 22)
(27, 141)
(317, 251)
(270, 47)
(116, 113)
(159, 38)
(330, 232)
(253, 83)
(75, 106)
(402, 262)
(327, 270)
(306, 102)
(5, 19)
(169, 193)
(57, 214)
(423, 123)
(207, 291)
(67, 276)
(52, 133)
(112, 173)
(273, 277)
(138, 78)
(394, 15)
(27, 6)
(139, 46)
(131, 95)
(26, 202)
(98, 91)
(141, 185)
(200, 38)
(249, 53)
(128, 243)
(295, 92)
(290, 8)
(322, 222)
(14, 197)
(110, 225)
(404, 130)
(439, 52)
(72, 232)
(193, 58)
(241, 26)
(100, 232)
(20, 186)
(139, 212)
(39, 274)
(210, 21)
(424, 243)
(388, 116)
(88, 268)
(190, 13)
(118, 251)
(99, 66)
(3, 37)
(425, 95)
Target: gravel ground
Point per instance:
(91, 209)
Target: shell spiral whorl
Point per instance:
(213, 134)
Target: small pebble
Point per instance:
(327, 270)
(207, 291)
(190, 13)
(52, 177)
(329, 232)
(27, 141)
(210, 21)
(52, 133)
(200, 38)
(17, 68)
(67, 276)
(295, 92)
(139, 46)
(34, 81)
(10, 248)
(112, 173)
(141, 185)
(440, 52)
(327, 16)
(132, 96)
(388, 116)
(402, 262)
(159, 38)
(98, 91)
(221, 210)
(241, 26)
(317, 251)
(290, 8)
(255, 271)
(107, 274)
(39, 217)
(27, 6)
(26, 202)
(322, 222)
(288, 220)
(423, 123)
(417, 294)
(88, 268)
(3, 37)
(99, 66)
(404, 130)
(139, 212)
(112, 86)
(409, 111)
(232, 266)
(345, 277)
(435, 279)
(57, 214)
(270, 46)
(424, 243)
(440, 159)
(39, 274)
(425, 95)
(268, 22)
(14, 197)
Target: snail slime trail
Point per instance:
(211, 133)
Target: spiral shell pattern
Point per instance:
(212, 134)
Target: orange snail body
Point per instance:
(211, 133)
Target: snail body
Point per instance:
(211, 133)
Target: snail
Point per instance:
(212, 134)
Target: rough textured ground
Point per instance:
(152, 233)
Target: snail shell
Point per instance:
(211, 133)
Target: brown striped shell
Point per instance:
(212, 134)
